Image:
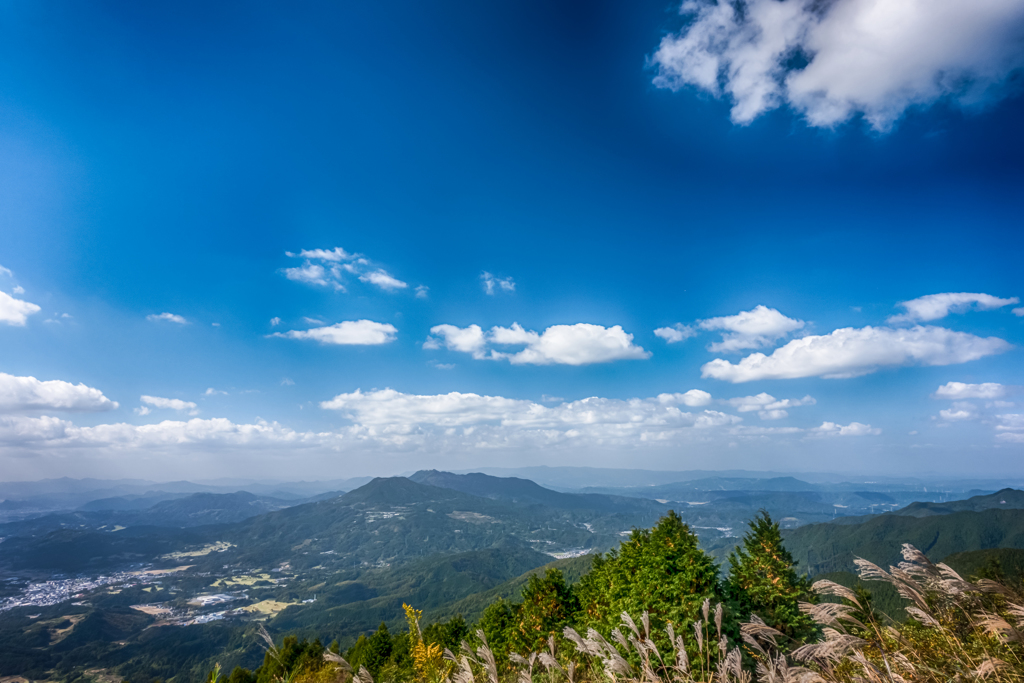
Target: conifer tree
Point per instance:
(662, 571)
(548, 606)
(763, 581)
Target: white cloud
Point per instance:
(852, 429)
(329, 267)
(579, 344)
(312, 321)
(960, 410)
(6, 271)
(958, 390)
(936, 306)
(872, 57)
(142, 410)
(175, 435)
(210, 391)
(692, 398)
(274, 322)
(676, 333)
(310, 273)
(383, 280)
(349, 332)
(335, 255)
(492, 284)
(169, 404)
(18, 289)
(286, 382)
(19, 394)
(768, 407)
(851, 352)
(422, 291)
(750, 329)
(465, 340)
(169, 317)
(1018, 311)
(15, 311)
(499, 421)
(1010, 428)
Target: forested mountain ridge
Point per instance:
(820, 548)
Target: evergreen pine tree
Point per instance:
(763, 581)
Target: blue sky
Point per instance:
(167, 158)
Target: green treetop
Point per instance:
(661, 570)
(763, 581)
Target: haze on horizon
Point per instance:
(324, 242)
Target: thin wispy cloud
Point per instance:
(332, 268)
(492, 284)
(347, 333)
(169, 404)
(937, 306)
(167, 317)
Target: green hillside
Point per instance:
(821, 548)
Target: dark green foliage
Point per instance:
(498, 624)
(829, 547)
(293, 656)
(660, 570)
(373, 652)
(240, 675)
(548, 606)
(763, 581)
(448, 634)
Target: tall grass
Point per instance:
(957, 631)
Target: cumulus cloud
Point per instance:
(275, 321)
(579, 344)
(752, 329)
(55, 433)
(496, 420)
(852, 429)
(936, 306)
(959, 390)
(168, 317)
(851, 352)
(169, 404)
(463, 339)
(1018, 311)
(382, 279)
(21, 394)
(349, 332)
(18, 289)
(960, 410)
(422, 291)
(15, 311)
(692, 398)
(832, 61)
(492, 284)
(210, 391)
(677, 333)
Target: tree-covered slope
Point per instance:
(821, 548)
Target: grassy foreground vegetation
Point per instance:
(655, 610)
